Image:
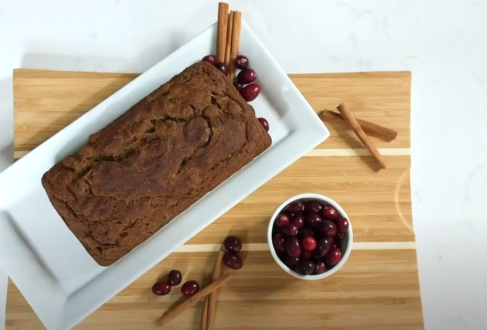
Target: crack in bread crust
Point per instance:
(154, 161)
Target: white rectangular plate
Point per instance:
(61, 282)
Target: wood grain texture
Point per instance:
(47, 101)
(375, 290)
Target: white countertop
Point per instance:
(443, 43)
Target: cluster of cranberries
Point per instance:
(307, 236)
(231, 259)
(244, 82)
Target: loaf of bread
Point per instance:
(154, 161)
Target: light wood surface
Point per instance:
(377, 289)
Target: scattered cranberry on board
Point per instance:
(190, 288)
(241, 62)
(264, 123)
(161, 288)
(174, 277)
(232, 260)
(223, 68)
(210, 59)
(250, 92)
(232, 244)
(246, 76)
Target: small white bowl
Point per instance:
(347, 242)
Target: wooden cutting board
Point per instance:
(378, 287)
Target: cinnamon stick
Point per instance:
(229, 40)
(217, 269)
(371, 129)
(237, 26)
(352, 122)
(194, 299)
(221, 42)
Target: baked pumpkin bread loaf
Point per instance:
(154, 161)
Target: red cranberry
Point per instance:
(305, 267)
(319, 267)
(210, 59)
(241, 62)
(190, 288)
(161, 288)
(251, 108)
(313, 219)
(232, 244)
(303, 232)
(232, 260)
(309, 243)
(279, 243)
(333, 256)
(246, 76)
(296, 207)
(264, 123)
(237, 85)
(291, 261)
(282, 220)
(298, 220)
(323, 246)
(292, 247)
(314, 207)
(223, 68)
(328, 228)
(342, 225)
(305, 254)
(330, 213)
(174, 277)
(249, 92)
(290, 230)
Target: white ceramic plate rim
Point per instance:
(345, 256)
(59, 310)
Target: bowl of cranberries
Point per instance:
(310, 236)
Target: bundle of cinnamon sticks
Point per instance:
(228, 36)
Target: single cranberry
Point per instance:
(222, 67)
(246, 76)
(232, 260)
(292, 247)
(282, 220)
(306, 231)
(291, 261)
(250, 92)
(333, 256)
(328, 228)
(161, 288)
(241, 62)
(298, 220)
(174, 277)
(190, 288)
(264, 123)
(342, 225)
(313, 219)
(279, 243)
(210, 59)
(309, 243)
(237, 85)
(330, 213)
(251, 108)
(323, 246)
(290, 230)
(313, 207)
(232, 244)
(320, 267)
(296, 207)
(305, 267)
(305, 254)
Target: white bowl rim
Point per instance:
(345, 255)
